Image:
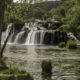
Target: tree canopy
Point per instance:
(69, 14)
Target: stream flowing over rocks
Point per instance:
(33, 34)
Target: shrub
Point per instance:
(62, 44)
(71, 44)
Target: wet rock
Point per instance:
(47, 38)
(55, 37)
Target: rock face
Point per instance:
(48, 38)
(55, 37)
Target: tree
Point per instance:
(2, 8)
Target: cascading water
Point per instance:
(5, 34)
(35, 37)
(32, 34)
(29, 37)
(19, 35)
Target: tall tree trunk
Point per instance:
(4, 45)
(2, 8)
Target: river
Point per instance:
(65, 63)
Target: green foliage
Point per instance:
(17, 12)
(13, 72)
(71, 44)
(23, 12)
(69, 14)
(28, 12)
(62, 44)
(58, 13)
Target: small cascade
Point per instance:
(29, 37)
(35, 37)
(19, 35)
(3, 37)
(42, 36)
(5, 34)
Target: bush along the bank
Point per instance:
(62, 44)
(71, 44)
(13, 73)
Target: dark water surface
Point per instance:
(65, 63)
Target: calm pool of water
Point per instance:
(65, 63)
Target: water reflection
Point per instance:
(65, 64)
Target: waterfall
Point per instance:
(19, 35)
(33, 34)
(35, 37)
(29, 37)
(5, 34)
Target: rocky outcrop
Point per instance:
(55, 37)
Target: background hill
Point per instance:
(48, 4)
